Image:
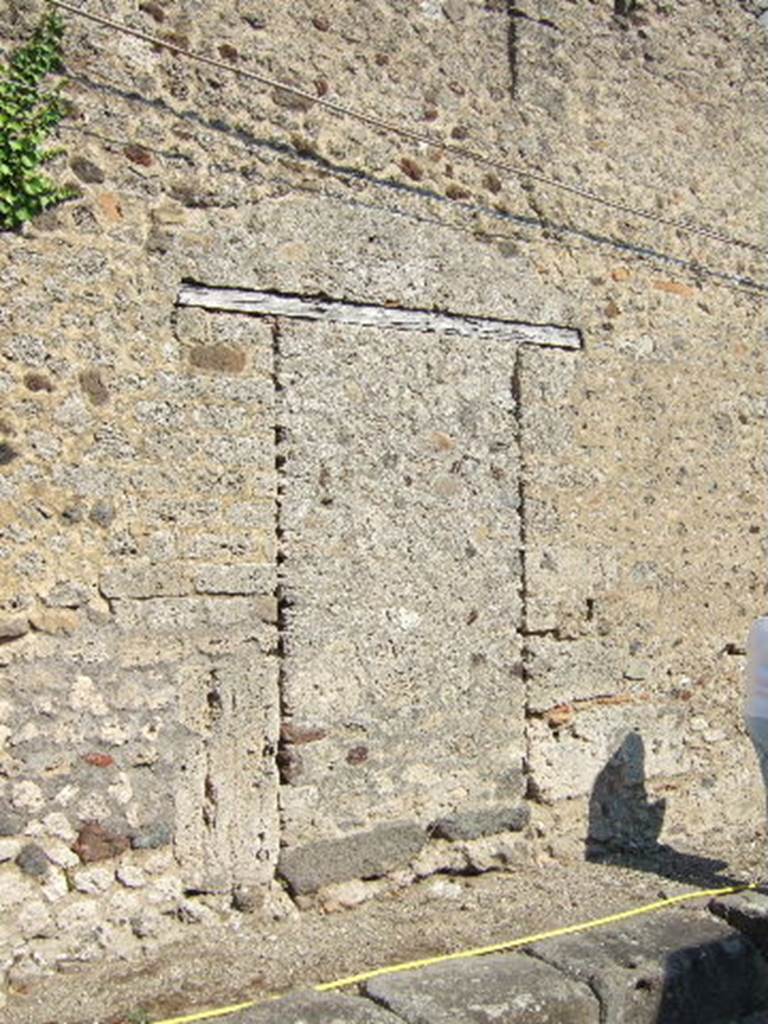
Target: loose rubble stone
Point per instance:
(503, 850)
(38, 382)
(7, 453)
(344, 895)
(444, 889)
(360, 855)
(439, 855)
(138, 154)
(505, 988)
(153, 10)
(247, 898)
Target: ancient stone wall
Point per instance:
(317, 599)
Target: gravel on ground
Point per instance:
(438, 915)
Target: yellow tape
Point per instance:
(465, 954)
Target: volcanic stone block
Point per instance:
(484, 822)
(677, 968)
(503, 989)
(746, 911)
(361, 855)
(314, 1008)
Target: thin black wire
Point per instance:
(278, 148)
(706, 231)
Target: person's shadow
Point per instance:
(624, 825)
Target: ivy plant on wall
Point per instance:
(28, 114)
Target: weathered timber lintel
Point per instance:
(271, 303)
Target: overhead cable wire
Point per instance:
(239, 136)
(413, 135)
(553, 231)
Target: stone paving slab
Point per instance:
(505, 988)
(746, 911)
(675, 967)
(314, 1008)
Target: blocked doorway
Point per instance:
(400, 572)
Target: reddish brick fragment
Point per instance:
(457, 192)
(357, 755)
(675, 288)
(292, 733)
(411, 168)
(94, 842)
(153, 10)
(138, 154)
(99, 760)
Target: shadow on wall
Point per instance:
(624, 825)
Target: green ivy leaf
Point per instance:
(28, 113)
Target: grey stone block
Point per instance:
(670, 968)
(484, 822)
(13, 627)
(33, 861)
(315, 1008)
(11, 823)
(152, 837)
(747, 912)
(360, 855)
(502, 989)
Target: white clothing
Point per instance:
(756, 674)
